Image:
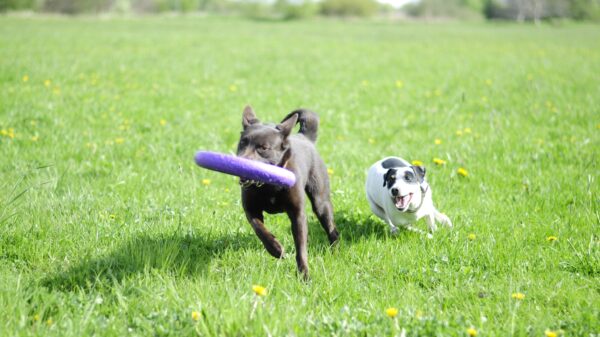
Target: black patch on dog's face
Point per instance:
(392, 162)
(389, 178)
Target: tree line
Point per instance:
(519, 10)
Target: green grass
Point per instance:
(107, 229)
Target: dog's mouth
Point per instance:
(245, 183)
(402, 202)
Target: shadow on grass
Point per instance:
(355, 227)
(182, 255)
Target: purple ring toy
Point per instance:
(245, 168)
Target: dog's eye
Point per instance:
(408, 177)
(262, 147)
(243, 142)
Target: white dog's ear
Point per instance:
(420, 172)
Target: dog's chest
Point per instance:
(266, 198)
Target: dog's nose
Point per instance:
(394, 191)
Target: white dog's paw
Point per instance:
(393, 230)
(445, 220)
(429, 236)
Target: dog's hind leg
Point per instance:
(323, 209)
(269, 241)
(318, 194)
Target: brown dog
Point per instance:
(273, 144)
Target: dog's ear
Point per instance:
(249, 118)
(285, 158)
(287, 125)
(420, 172)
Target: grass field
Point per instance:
(108, 228)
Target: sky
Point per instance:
(396, 3)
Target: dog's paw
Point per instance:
(394, 230)
(445, 220)
(429, 236)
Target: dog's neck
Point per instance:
(421, 203)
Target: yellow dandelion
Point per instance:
(419, 314)
(598, 126)
(459, 133)
(391, 312)
(518, 296)
(330, 171)
(36, 317)
(340, 138)
(417, 162)
(437, 141)
(119, 140)
(471, 236)
(25, 78)
(195, 315)
(550, 333)
(467, 130)
(365, 83)
(259, 290)
(438, 92)
(551, 238)
(163, 122)
(3, 132)
(371, 141)
(462, 172)
(56, 91)
(439, 161)
(49, 322)
(399, 84)
(484, 99)
(112, 216)
(47, 83)
(472, 332)
(34, 138)
(488, 82)
(206, 182)
(233, 88)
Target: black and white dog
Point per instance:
(399, 194)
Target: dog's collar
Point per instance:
(421, 204)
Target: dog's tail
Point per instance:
(309, 123)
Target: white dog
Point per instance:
(399, 194)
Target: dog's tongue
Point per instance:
(402, 202)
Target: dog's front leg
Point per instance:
(269, 241)
(416, 230)
(300, 232)
(442, 218)
(430, 219)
